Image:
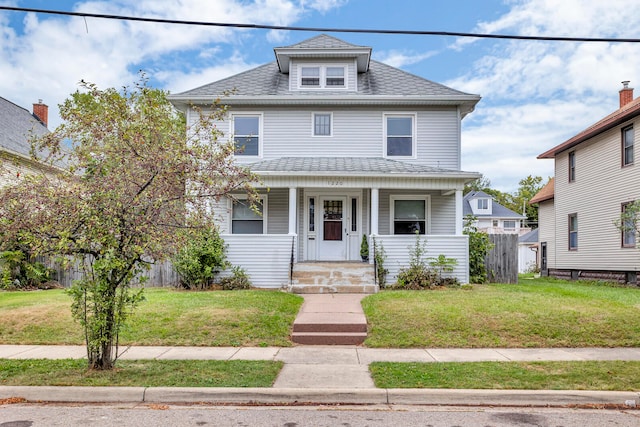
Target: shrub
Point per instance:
(239, 279)
(418, 275)
(479, 247)
(19, 271)
(201, 259)
(380, 257)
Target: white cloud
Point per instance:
(324, 5)
(401, 58)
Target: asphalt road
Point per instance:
(37, 415)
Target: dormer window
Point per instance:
(322, 77)
(311, 76)
(483, 204)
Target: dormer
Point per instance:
(481, 203)
(323, 63)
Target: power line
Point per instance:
(323, 30)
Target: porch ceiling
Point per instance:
(353, 167)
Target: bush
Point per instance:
(201, 260)
(479, 247)
(239, 279)
(380, 257)
(19, 271)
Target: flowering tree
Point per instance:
(139, 182)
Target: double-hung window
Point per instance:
(628, 226)
(627, 146)
(334, 77)
(310, 77)
(247, 220)
(409, 214)
(322, 124)
(573, 232)
(483, 204)
(322, 77)
(246, 134)
(509, 224)
(572, 166)
(399, 135)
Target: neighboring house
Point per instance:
(546, 224)
(491, 216)
(596, 176)
(346, 147)
(528, 249)
(17, 127)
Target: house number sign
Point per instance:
(335, 183)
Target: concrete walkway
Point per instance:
(325, 375)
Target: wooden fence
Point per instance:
(502, 261)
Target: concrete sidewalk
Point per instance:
(325, 375)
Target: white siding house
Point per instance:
(490, 216)
(345, 147)
(595, 176)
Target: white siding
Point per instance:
(443, 211)
(397, 250)
(547, 232)
(600, 187)
(265, 257)
(357, 132)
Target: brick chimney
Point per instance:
(626, 94)
(41, 111)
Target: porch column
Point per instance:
(374, 211)
(292, 211)
(459, 217)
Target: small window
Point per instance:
(483, 204)
(311, 76)
(627, 146)
(495, 222)
(572, 166)
(246, 133)
(322, 124)
(354, 214)
(409, 216)
(312, 214)
(509, 224)
(629, 225)
(399, 136)
(573, 232)
(335, 76)
(245, 220)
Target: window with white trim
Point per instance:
(322, 77)
(246, 134)
(483, 204)
(509, 224)
(573, 232)
(409, 214)
(627, 146)
(628, 227)
(399, 135)
(322, 124)
(246, 219)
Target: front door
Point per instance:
(332, 232)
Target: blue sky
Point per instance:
(535, 95)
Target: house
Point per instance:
(346, 147)
(491, 216)
(595, 179)
(17, 126)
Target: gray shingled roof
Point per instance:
(17, 125)
(348, 166)
(530, 237)
(381, 79)
(323, 41)
(497, 210)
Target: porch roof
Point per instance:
(352, 166)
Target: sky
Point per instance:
(535, 94)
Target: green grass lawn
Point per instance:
(608, 375)
(141, 373)
(534, 313)
(166, 317)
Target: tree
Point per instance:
(139, 183)
(528, 188)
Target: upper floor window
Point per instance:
(573, 232)
(483, 204)
(322, 77)
(310, 76)
(322, 124)
(627, 146)
(399, 135)
(409, 214)
(572, 166)
(246, 134)
(509, 224)
(247, 220)
(628, 226)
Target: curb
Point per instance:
(293, 396)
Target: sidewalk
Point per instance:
(325, 375)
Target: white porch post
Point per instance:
(374, 211)
(459, 218)
(292, 211)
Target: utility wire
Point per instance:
(323, 30)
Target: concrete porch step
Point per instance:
(329, 338)
(320, 322)
(333, 277)
(333, 289)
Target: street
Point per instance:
(71, 415)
